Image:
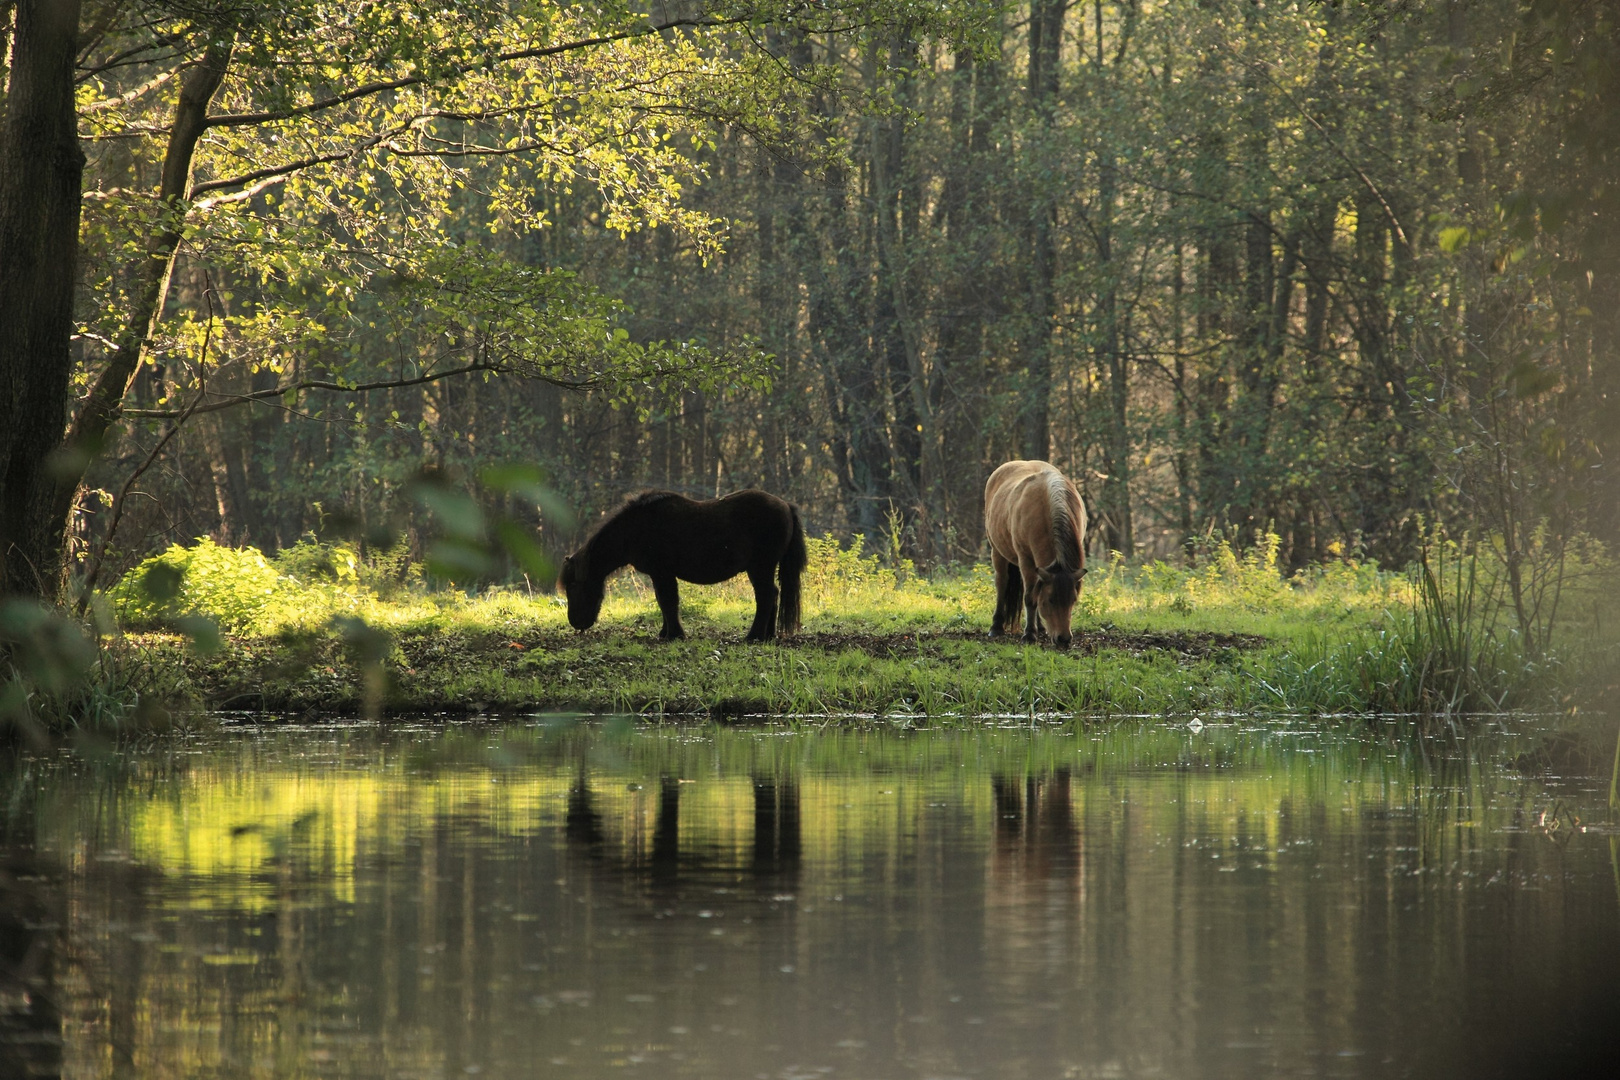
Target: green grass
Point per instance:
(1232, 635)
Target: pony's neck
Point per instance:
(605, 551)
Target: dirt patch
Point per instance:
(1192, 644)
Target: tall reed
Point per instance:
(1461, 659)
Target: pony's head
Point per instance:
(583, 591)
(1056, 590)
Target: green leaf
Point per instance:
(162, 582)
(201, 632)
(1454, 238)
(522, 546)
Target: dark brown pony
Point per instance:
(668, 537)
(1037, 528)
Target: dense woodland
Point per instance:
(1340, 271)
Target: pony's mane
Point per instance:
(1063, 530)
(646, 498)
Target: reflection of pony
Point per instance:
(1037, 529)
(668, 536)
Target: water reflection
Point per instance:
(1124, 900)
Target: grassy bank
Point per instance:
(316, 632)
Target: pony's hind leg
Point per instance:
(765, 597)
(1015, 595)
(668, 593)
(999, 619)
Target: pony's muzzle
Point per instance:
(1062, 641)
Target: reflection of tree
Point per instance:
(108, 939)
(30, 1020)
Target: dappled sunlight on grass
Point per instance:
(845, 590)
(1232, 633)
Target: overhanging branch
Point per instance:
(384, 85)
(271, 394)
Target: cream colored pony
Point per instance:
(1037, 528)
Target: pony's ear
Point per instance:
(1045, 572)
(1083, 571)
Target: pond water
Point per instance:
(602, 898)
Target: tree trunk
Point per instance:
(41, 170)
(853, 388)
(961, 376)
(1045, 47)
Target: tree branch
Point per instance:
(385, 85)
(307, 384)
(116, 511)
(283, 171)
(124, 99)
(1333, 144)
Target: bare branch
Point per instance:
(116, 511)
(1366, 180)
(308, 384)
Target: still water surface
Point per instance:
(606, 899)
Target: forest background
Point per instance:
(1337, 271)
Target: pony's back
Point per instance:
(1033, 498)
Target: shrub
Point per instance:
(839, 572)
(233, 586)
(309, 560)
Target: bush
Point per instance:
(233, 586)
(835, 571)
(306, 586)
(310, 560)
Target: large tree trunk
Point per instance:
(41, 167)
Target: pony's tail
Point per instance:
(794, 561)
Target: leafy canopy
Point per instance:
(382, 170)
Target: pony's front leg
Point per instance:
(668, 594)
(1032, 619)
(765, 597)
